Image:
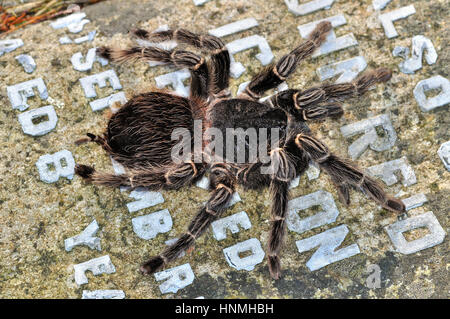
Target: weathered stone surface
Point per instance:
(36, 217)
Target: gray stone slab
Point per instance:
(234, 27)
(246, 263)
(103, 294)
(435, 236)
(401, 52)
(177, 278)
(72, 19)
(86, 238)
(9, 45)
(200, 2)
(83, 64)
(144, 199)
(414, 201)
(388, 18)
(386, 171)
(148, 226)
(308, 7)
(435, 82)
(98, 266)
(108, 101)
(175, 79)
(349, 69)
(265, 56)
(414, 63)
(444, 154)
(380, 4)
(370, 136)
(19, 93)
(100, 79)
(279, 27)
(231, 223)
(327, 242)
(27, 62)
(320, 198)
(332, 42)
(28, 127)
(50, 166)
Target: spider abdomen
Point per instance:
(139, 134)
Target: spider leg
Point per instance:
(156, 178)
(344, 174)
(274, 75)
(322, 101)
(279, 191)
(220, 73)
(283, 171)
(178, 58)
(223, 185)
(286, 100)
(286, 163)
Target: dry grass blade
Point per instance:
(16, 17)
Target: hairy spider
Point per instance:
(139, 134)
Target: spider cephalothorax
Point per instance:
(139, 134)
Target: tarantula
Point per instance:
(139, 135)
